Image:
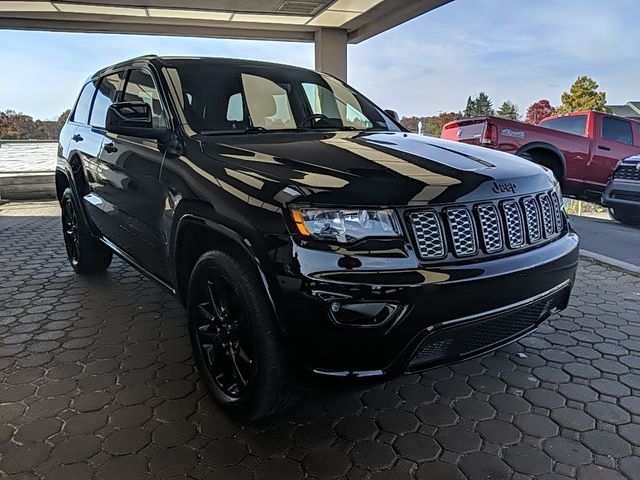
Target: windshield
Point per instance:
(223, 98)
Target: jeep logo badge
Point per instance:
(504, 187)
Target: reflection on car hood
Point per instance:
(376, 168)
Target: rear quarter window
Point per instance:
(575, 124)
(83, 106)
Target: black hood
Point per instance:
(394, 169)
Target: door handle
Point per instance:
(77, 138)
(110, 148)
(602, 147)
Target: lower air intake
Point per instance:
(466, 340)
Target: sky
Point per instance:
(513, 50)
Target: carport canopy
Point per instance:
(330, 24)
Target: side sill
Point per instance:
(131, 261)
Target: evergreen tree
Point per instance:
(479, 106)
(509, 110)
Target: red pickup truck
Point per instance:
(581, 148)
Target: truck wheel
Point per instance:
(85, 252)
(626, 215)
(235, 341)
(546, 159)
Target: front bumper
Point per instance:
(436, 310)
(622, 193)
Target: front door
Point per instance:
(613, 141)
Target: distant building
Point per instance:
(629, 110)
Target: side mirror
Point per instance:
(393, 114)
(133, 119)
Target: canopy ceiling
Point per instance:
(296, 20)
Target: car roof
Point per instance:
(169, 61)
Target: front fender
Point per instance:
(251, 245)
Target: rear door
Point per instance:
(101, 199)
(613, 141)
(87, 143)
(133, 165)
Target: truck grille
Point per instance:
(627, 172)
(488, 227)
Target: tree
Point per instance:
(63, 117)
(509, 110)
(470, 109)
(433, 125)
(410, 123)
(17, 125)
(583, 95)
(479, 106)
(538, 111)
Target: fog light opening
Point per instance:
(362, 314)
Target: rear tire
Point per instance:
(235, 340)
(85, 252)
(626, 215)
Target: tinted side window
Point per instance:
(141, 88)
(574, 124)
(81, 113)
(107, 94)
(617, 130)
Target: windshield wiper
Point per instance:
(250, 130)
(239, 131)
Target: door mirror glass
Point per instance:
(134, 119)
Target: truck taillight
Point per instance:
(490, 135)
(451, 125)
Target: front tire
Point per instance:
(626, 215)
(86, 253)
(235, 340)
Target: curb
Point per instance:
(612, 262)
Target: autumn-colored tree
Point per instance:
(433, 125)
(538, 111)
(583, 95)
(410, 123)
(63, 117)
(509, 110)
(17, 125)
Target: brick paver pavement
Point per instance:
(97, 381)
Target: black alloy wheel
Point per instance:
(223, 337)
(70, 230)
(86, 253)
(235, 338)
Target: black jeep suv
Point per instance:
(303, 228)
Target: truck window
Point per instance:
(617, 130)
(575, 124)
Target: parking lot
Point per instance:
(97, 381)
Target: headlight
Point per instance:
(345, 225)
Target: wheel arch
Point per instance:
(195, 232)
(547, 155)
(62, 183)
